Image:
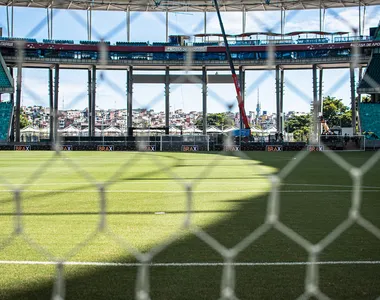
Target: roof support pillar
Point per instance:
(12, 28)
(167, 25)
(278, 98)
(281, 116)
(18, 102)
(353, 99)
(10, 20)
(93, 100)
(128, 23)
(320, 90)
(89, 24)
(129, 100)
(56, 90)
(205, 24)
(360, 19)
(244, 20)
(89, 78)
(242, 89)
(204, 99)
(12, 98)
(316, 107)
(51, 105)
(320, 15)
(167, 100)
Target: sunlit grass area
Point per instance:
(94, 209)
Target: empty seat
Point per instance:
(6, 83)
(131, 43)
(6, 109)
(370, 118)
(94, 42)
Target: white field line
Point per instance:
(207, 181)
(194, 264)
(182, 191)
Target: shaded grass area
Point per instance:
(233, 204)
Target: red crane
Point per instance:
(232, 68)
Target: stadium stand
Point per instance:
(132, 44)
(352, 39)
(29, 40)
(6, 111)
(94, 42)
(278, 42)
(248, 42)
(206, 44)
(58, 41)
(370, 119)
(164, 44)
(313, 41)
(6, 81)
(371, 80)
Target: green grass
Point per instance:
(60, 202)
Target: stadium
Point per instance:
(128, 203)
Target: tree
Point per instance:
(23, 121)
(299, 126)
(336, 113)
(219, 120)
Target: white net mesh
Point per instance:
(251, 179)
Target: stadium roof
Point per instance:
(188, 5)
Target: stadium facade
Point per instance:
(250, 51)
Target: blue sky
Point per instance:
(151, 27)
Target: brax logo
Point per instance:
(105, 148)
(190, 148)
(274, 148)
(67, 148)
(23, 148)
(315, 148)
(150, 148)
(232, 148)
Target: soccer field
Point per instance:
(187, 210)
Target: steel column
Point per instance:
(281, 128)
(360, 79)
(51, 22)
(48, 22)
(359, 100)
(129, 101)
(244, 20)
(320, 15)
(167, 25)
(316, 122)
(204, 99)
(93, 100)
(353, 100)
(320, 90)
(89, 117)
(360, 19)
(205, 24)
(242, 88)
(89, 24)
(278, 98)
(12, 11)
(56, 90)
(8, 26)
(51, 105)
(167, 100)
(18, 102)
(12, 97)
(128, 25)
